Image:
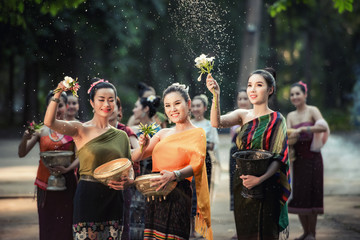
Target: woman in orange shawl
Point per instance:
(178, 154)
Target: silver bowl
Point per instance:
(56, 181)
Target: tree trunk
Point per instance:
(308, 61)
(249, 53)
(31, 79)
(148, 43)
(10, 95)
(273, 59)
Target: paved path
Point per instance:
(18, 215)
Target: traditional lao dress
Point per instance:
(170, 218)
(55, 208)
(264, 218)
(98, 209)
(308, 176)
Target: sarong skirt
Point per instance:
(170, 218)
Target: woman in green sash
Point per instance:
(98, 209)
(261, 128)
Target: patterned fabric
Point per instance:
(170, 218)
(308, 177)
(267, 216)
(109, 230)
(232, 169)
(98, 209)
(269, 133)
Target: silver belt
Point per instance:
(88, 178)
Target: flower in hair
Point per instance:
(304, 85)
(94, 84)
(151, 98)
(183, 86)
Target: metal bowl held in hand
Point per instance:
(143, 182)
(56, 181)
(255, 163)
(114, 170)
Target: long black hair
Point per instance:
(153, 102)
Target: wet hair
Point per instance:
(301, 85)
(51, 94)
(203, 98)
(143, 87)
(98, 86)
(269, 74)
(180, 88)
(153, 102)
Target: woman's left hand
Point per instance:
(122, 184)
(166, 177)
(250, 181)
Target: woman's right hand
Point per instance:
(212, 85)
(61, 87)
(144, 141)
(28, 134)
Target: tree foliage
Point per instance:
(282, 5)
(131, 41)
(12, 11)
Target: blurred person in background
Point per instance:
(115, 121)
(55, 208)
(198, 108)
(243, 102)
(308, 174)
(72, 113)
(145, 91)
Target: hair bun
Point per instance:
(271, 71)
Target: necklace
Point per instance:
(58, 138)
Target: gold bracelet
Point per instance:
(57, 100)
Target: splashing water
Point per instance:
(201, 27)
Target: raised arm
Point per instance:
(147, 147)
(213, 87)
(28, 141)
(64, 127)
(218, 121)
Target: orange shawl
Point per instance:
(178, 151)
